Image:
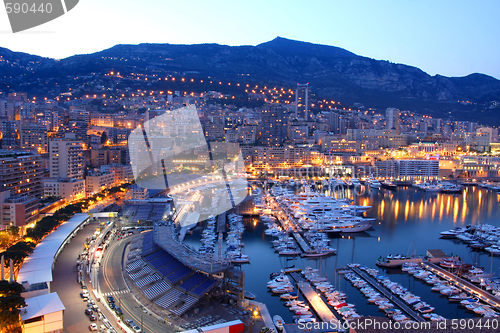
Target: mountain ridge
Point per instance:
(332, 72)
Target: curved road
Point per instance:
(112, 282)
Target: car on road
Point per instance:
(88, 312)
(118, 311)
(93, 327)
(93, 317)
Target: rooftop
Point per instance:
(41, 305)
(37, 268)
(438, 253)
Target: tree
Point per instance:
(16, 256)
(14, 231)
(24, 247)
(4, 239)
(10, 302)
(104, 137)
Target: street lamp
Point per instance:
(142, 311)
(255, 313)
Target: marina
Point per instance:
(388, 208)
(387, 294)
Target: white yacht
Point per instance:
(373, 183)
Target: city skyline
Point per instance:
(166, 184)
(448, 38)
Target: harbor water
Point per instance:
(408, 221)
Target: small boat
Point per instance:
(289, 296)
(294, 303)
(249, 295)
(303, 312)
(282, 289)
(302, 316)
(305, 320)
(278, 322)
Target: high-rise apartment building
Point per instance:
(274, 126)
(21, 173)
(34, 136)
(302, 101)
(52, 119)
(9, 137)
(66, 159)
(21, 187)
(392, 121)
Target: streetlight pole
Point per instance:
(142, 312)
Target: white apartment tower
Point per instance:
(392, 119)
(66, 159)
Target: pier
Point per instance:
(463, 284)
(388, 294)
(221, 223)
(317, 305)
(302, 243)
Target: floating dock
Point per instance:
(317, 305)
(302, 242)
(393, 298)
(463, 284)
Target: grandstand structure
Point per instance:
(165, 237)
(164, 279)
(143, 213)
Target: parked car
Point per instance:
(111, 299)
(137, 329)
(93, 327)
(118, 311)
(93, 317)
(129, 322)
(88, 312)
(112, 306)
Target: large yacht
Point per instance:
(373, 183)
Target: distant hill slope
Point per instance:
(331, 71)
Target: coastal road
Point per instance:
(65, 283)
(111, 282)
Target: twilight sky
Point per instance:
(452, 38)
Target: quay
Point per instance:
(393, 298)
(263, 312)
(302, 243)
(319, 307)
(463, 284)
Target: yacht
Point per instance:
(493, 249)
(373, 183)
(452, 233)
(355, 182)
(451, 188)
(389, 185)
